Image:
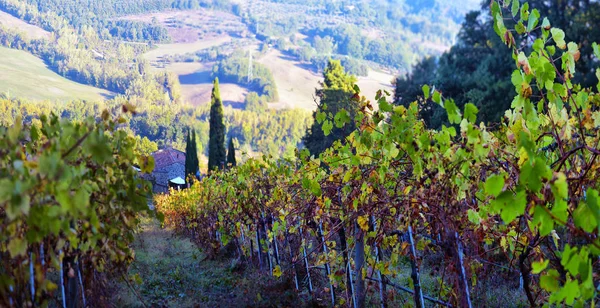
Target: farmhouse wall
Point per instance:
(163, 175)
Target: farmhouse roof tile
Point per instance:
(166, 157)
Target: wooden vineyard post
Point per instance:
(62, 279)
(359, 260)
(258, 248)
(292, 260)
(275, 247)
(419, 301)
(344, 248)
(32, 278)
(264, 223)
(382, 292)
(465, 297)
(81, 283)
(351, 283)
(310, 286)
(327, 268)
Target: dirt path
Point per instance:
(171, 272)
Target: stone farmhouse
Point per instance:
(169, 164)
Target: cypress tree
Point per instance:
(216, 142)
(231, 154)
(196, 162)
(189, 161)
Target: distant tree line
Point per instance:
(234, 69)
(270, 132)
(473, 70)
(101, 15)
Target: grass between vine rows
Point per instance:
(172, 272)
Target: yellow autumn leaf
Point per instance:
(277, 271)
(363, 222)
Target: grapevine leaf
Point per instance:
(543, 220)
(471, 112)
(363, 222)
(277, 271)
(17, 247)
(546, 24)
(494, 184)
(549, 281)
(593, 202)
(584, 218)
(454, 115)
(533, 172)
(437, 97)
(539, 266)
(342, 118)
(327, 127)
(514, 10)
(558, 36)
(510, 206)
(426, 90)
(534, 18)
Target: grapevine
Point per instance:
(524, 194)
(69, 204)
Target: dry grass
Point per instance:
(33, 32)
(189, 26)
(162, 50)
(196, 84)
(296, 84)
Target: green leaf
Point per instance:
(509, 205)
(426, 91)
(471, 112)
(473, 217)
(543, 220)
(584, 218)
(315, 188)
(525, 11)
(592, 200)
(560, 187)
(539, 266)
(327, 127)
(17, 247)
(549, 281)
(558, 36)
(437, 97)
(596, 48)
(534, 18)
(454, 115)
(320, 116)
(514, 10)
(533, 172)
(568, 293)
(494, 184)
(342, 118)
(546, 24)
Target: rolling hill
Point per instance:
(25, 75)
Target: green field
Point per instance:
(24, 75)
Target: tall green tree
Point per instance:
(473, 70)
(188, 154)
(335, 95)
(231, 154)
(216, 142)
(196, 162)
(191, 154)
